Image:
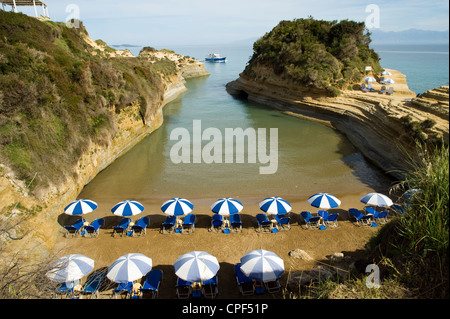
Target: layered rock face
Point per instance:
(381, 126)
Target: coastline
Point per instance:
(378, 125)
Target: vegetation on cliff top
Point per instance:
(57, 93)
(320, 54)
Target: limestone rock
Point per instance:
(300, 254)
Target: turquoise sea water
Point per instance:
(311, 157)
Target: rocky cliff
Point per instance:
(381, 126)
(315, 69)
(73, 82)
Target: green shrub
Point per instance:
(316, 53)
(56, 96)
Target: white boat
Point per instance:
(215, 58)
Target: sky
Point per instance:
(183, 22)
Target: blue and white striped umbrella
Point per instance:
(226, 206)
(129, 267)
(376, 199)
(389, 81)
(262, 265)
(127, 208)
(196, 266)
(177, 207)
(80, 207)
(275, 205)
(370, 79)
(70, 268)
(324, 200)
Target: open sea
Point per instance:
(311, 157)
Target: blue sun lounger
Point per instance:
(122, 227)
(235, 223)
(398, 209)
(210, 288)
(283, 221)
(361, 219)
(183, 289)
(152, 283)
(140, 228)
(382, 217)
(245, 284)
(188, 224)
(123, 288)
(263, 222)
(65, 289)
(377, 216)
(217, 223)
(310, 220)
(169, 224)
(92, 229)
(272, 286)
(329, 219)
(75, 229)
(92, 286)
(332, 220)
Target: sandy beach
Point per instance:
(164, 249)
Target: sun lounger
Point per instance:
(140, 228)
(398, 209)
(283, 221)
(272, 286)
(65, 289)
(217, 223)
(151, 284)
(328, 219)
(92, 229)
(391, 91)
(360, 218)
(245, 284)
(364, 88)
(210, 288)
(323, 213)
(381, 217)
(310, 220)
(259, 287)
(122, 227)
(183, 289)
(263, 222)
(123, 288)
(188, 224)
(75, 229)
(236, 223)
(169, 225)
(92, 286)
(332, 220)
(383, 89)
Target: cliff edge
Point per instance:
(379, 125)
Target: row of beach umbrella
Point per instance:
(370, 79)
(224, 206)
(195, 266)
